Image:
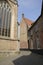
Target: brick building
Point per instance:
(35, 33)
(8, 26)
(24, 26)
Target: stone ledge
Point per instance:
(8, 38)
(9, 53)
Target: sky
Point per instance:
(30, 8)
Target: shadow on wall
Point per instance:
(32, 59)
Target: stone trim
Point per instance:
(8, 38)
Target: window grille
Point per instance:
(5, 19)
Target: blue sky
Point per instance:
(30, 8)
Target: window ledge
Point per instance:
(8, 38)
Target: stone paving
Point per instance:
(23, 58)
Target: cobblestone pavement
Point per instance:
(23, 58)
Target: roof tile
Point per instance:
(28, 22)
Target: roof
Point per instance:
(42, 7)
(34, 23)
(27, 21)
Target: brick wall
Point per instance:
(37, 35)
(24, 45)
(23, 35)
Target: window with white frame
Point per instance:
(5, 19)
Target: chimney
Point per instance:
(23, 15)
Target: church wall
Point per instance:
(11, 44)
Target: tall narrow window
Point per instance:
(5, 19)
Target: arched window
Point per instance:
(5, 19)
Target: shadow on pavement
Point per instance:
(40, 51)
(37, 51)
(32, 59)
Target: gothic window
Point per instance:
(5, 19)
